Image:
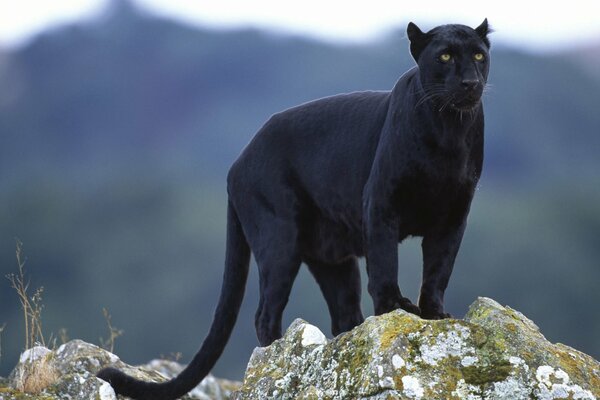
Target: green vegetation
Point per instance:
(116, 136)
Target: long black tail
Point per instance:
(232, 292)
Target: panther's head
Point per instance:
(453, 64)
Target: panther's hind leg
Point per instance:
(278, 264)
(340, 285)
(267, 205)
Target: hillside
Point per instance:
(115, 139)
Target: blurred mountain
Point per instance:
(131, 82)
(587, 58)
(115, 139)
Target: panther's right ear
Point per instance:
(418, 40)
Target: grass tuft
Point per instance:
(1, 330)
(35, 374)
(32, 306)
(113, 333)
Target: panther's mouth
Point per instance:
(465, 107)
(459, 102)
(467, 103)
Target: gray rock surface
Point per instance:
(69, 372)
(494, 353)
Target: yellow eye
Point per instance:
(478, 57)
(445, 57)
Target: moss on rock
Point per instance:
(494, 353)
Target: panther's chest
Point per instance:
(431, 193)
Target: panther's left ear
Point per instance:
(483, 30)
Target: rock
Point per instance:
(70, 373)
(494, 353)
(210, 388)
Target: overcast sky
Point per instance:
(530, 24)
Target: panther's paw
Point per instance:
(408, 306)
(435, 315)
(392, 303)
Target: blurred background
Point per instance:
(119, 120)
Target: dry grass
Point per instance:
(113, 333)
(63, 335)
(35, 374)
(175, 357)
(1, 330)
(37, 371)
(32, 306)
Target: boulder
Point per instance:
(494, 353)
(69, 372)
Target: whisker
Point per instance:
(427, 97)
(446, 104)
(430, 92)
(488, 88)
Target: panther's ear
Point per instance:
(418, 40)
(483, 30)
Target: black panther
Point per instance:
(351, 176)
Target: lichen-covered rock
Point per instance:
(494, 353)
(210, 388)
(70, 373)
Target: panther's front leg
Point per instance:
(380, 237)
(440, 248)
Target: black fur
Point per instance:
(349, 176)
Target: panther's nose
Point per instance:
(469, 84)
